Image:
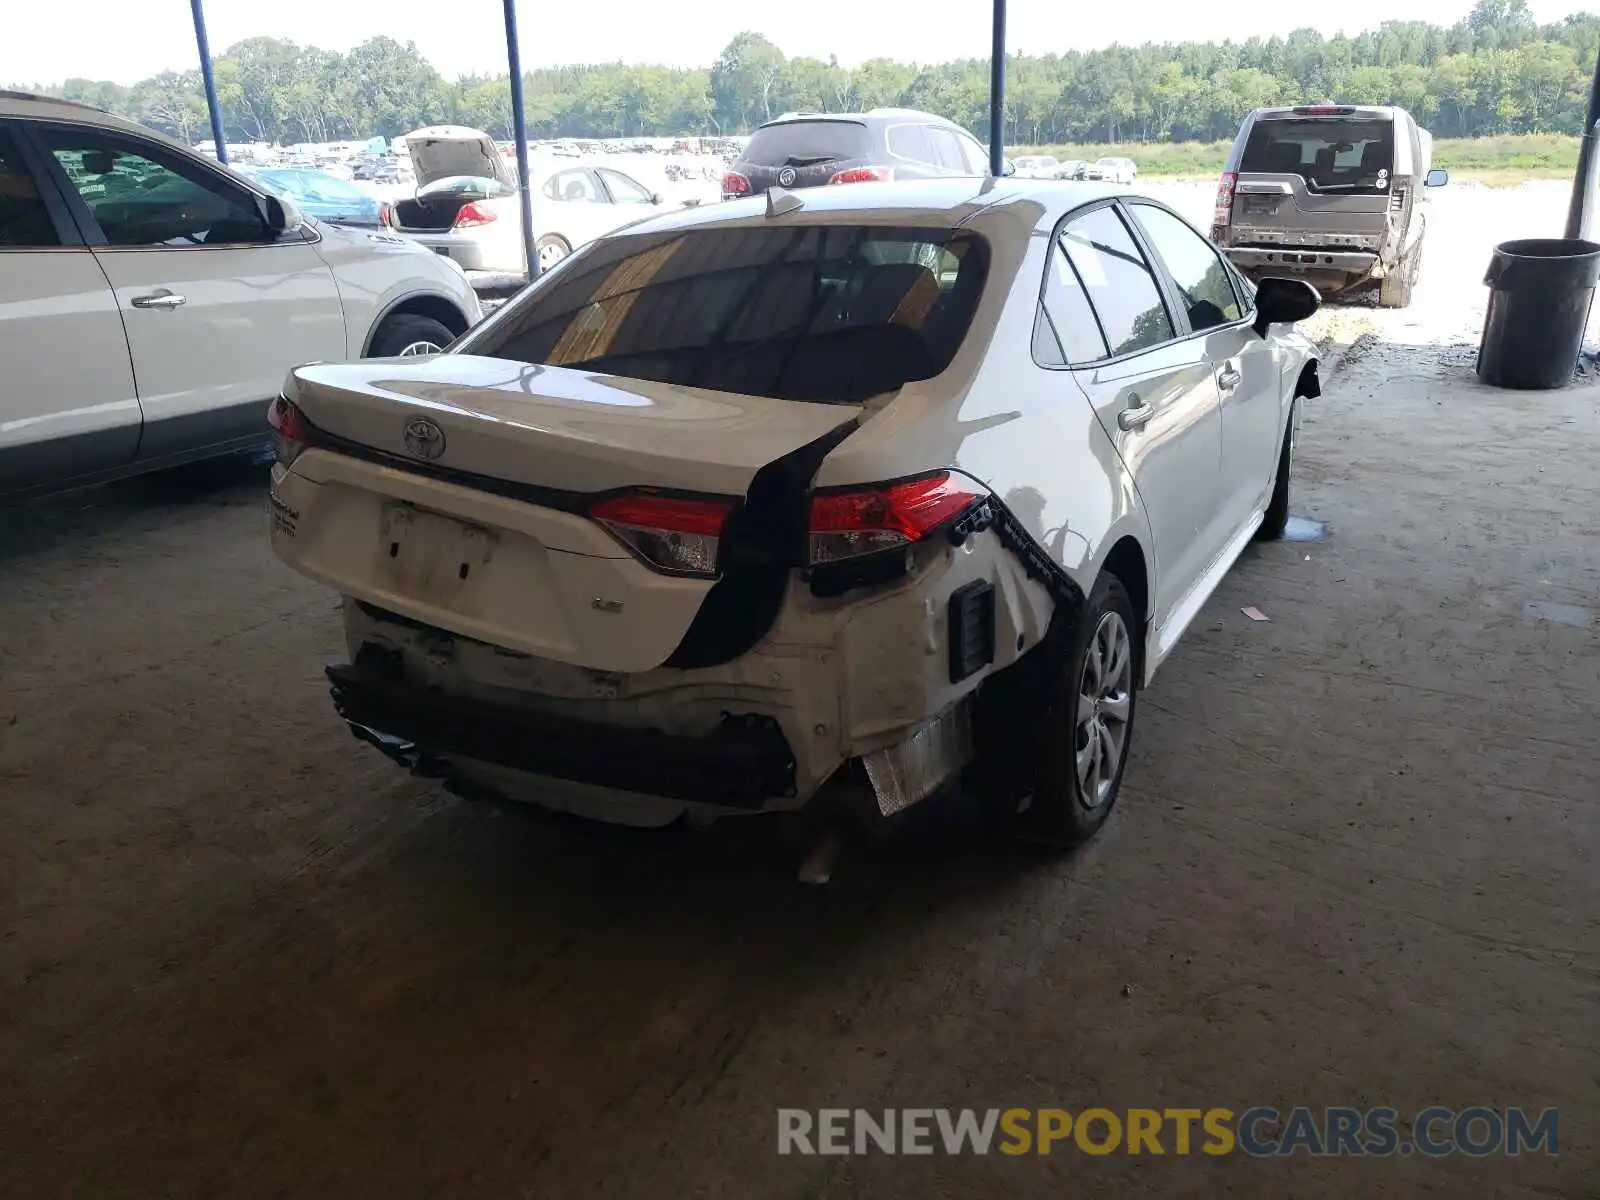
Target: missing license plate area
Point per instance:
(431, 556)
(1260, 206)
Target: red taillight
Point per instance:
(386, 214)
(735, 184)
(679, 535)
(848, 524)
(863, 175)
(1224, 209)
(289, 430)
(473, 213)
(1324, 110)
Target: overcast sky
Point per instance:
(127, 40)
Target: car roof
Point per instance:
(945, 203)
(31, 104)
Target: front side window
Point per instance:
(24, 220)
(1120, 284)
(624, 190)
(1204, 284)
(822, 313)
(577, 186)
(977, 157)
(947, 149)
(143, 197)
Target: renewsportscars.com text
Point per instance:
(1259, 1132)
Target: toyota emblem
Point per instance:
(423, 438)
(786, 176)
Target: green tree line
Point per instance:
(1495, 71)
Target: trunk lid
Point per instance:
(554, 427)
(428, 527)
(440, 151)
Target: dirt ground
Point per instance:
(1354, 863)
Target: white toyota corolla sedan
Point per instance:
(903, 485)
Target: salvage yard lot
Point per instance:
(1354, 863)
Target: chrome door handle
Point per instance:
(160, 299)
(1228, 379)
(1135, 415)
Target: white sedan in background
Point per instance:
(921, 479)
(467, 207)
(1118, 170)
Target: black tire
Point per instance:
(404, 331)
(1276, 519)
(1062, 811)
(1394, 291)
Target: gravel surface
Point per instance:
(1354, 863)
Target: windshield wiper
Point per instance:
(809, 160)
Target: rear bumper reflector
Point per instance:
(971, 629)
(743, 763)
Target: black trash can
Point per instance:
(1538, 307)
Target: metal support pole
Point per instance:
(519, 131)
(997, 91)
(1576, 210)
(197, 8)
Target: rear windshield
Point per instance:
(823, 313)
(806, 143)
(1327, 152)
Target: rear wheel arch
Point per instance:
(426, 304)
(1126, 560)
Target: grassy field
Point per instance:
(1494, 160)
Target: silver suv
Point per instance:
(1330, 193)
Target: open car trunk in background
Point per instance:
(479, 526)
(441, 151)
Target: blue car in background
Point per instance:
(324, 196)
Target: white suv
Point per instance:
(154, 300)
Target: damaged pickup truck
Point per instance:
(1329, 193)
(904, 485)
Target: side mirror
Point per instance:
(1437, 177)
(280, 214)
(1283, 301)
(1007, 167)
(655, 197)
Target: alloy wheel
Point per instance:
(1105, 704)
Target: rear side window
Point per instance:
(1329, 153)
(1120, 284)
(24, 220)
(823, 313)
(1070, 314)
(947, 148)
(911, 143)
(806, 143)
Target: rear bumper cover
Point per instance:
(468, 254)
(1297, 261)
(743, 763)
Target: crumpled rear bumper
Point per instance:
(741, 764)
(1264, 260)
